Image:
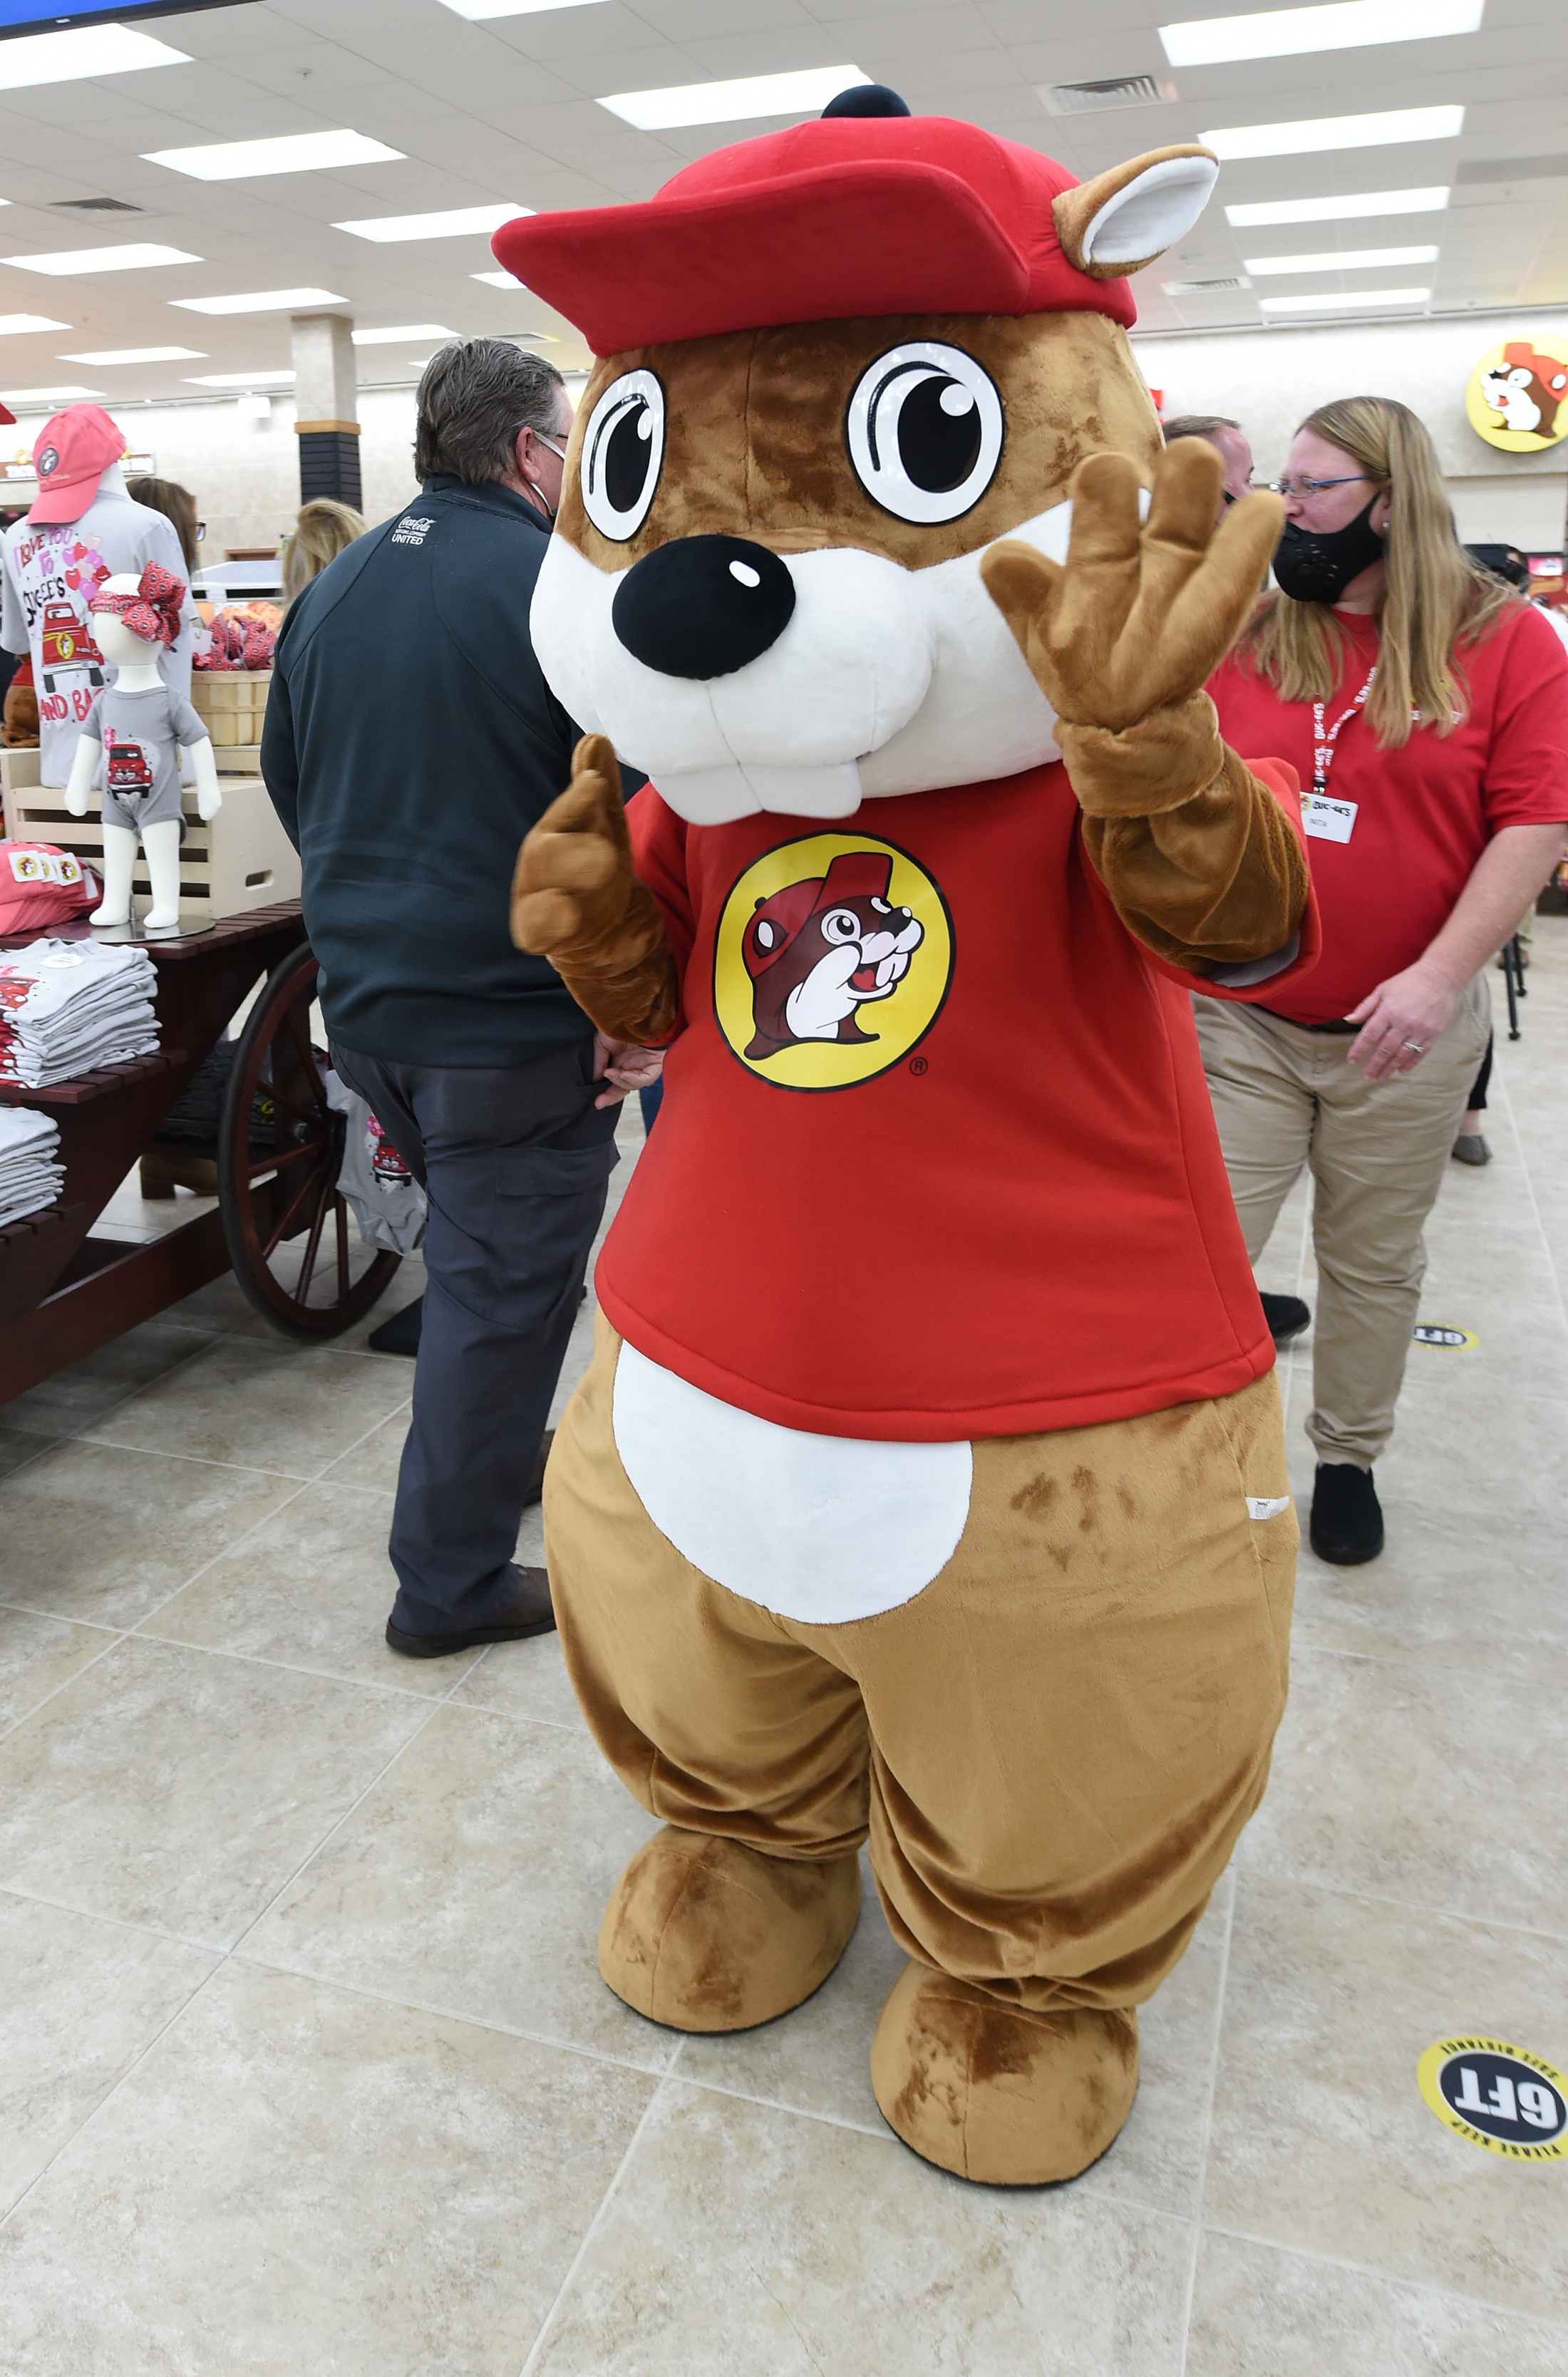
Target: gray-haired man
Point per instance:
(411, 742)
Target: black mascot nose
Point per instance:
(703, 606)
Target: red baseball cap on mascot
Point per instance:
(865, 210)
(70, 456)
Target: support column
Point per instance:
(327, 408)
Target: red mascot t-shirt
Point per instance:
(936, 1158)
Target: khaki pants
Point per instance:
(1054, 1745)
(1285, 1096)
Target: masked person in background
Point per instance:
(1424, 707)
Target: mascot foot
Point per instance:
(704, 1933)
(995, 2091)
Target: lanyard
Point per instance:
(1323, 744)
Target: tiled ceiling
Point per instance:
(505, 109)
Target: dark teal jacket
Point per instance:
(411, 742)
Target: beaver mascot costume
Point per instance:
(929, 1480)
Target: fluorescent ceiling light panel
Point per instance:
(296, 152)
(139, 355)
(451, 222)
(1318, 132)
(1290, 32)
(1354, 259)
(498, 280)
(261, 301)
(50, 396)
(1254, 217)
(241, 379)
(12, 324)
(134, 258)
(395, 338)
(805, 93)
(477, 10)
(1323, 302)
(71, 57)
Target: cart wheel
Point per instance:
(284, 1223)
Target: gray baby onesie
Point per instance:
(140, 732)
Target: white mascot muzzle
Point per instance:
(873, 679)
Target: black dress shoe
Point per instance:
(1347, 1522)
(1287, 1316)
(531, 1614)
(400, 1333)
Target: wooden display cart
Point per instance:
(279, 1223)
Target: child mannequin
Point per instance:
(139, 723)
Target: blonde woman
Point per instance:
(322, 528)
(1425, 707)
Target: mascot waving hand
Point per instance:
(929, 1480)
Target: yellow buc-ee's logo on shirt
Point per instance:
(1517, 395)
(832, 958)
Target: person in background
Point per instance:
(176, 504)
(323, 528)
(1424, 707)
(1228, 442)
(411, 742)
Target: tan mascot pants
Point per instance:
(1054, 1746)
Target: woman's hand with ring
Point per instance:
(1399, 1022)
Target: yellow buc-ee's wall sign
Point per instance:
(1517, 396)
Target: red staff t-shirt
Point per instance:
(937, 1158)
(1423, 813)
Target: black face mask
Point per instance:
(1315, 565)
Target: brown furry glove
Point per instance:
(577, 900)
(1201, 864)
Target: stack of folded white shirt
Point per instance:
(68, 1006)
(30, 1177)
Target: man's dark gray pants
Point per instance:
(515, 1161)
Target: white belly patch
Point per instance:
(823, 1529)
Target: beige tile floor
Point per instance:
(306, 2067)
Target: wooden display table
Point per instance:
(63, 1292)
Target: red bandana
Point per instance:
(153, 611)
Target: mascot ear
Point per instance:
(1123, 218)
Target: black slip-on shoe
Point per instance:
(400, 1333)
(531, 1614)
(1287, 1316)
(536, 1482)
(1346, 1528)
(1470, 1147)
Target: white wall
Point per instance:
(1270, 380)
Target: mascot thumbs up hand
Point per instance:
(576, 899)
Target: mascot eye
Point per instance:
(925, 432)
(621, 454)
(838, 924)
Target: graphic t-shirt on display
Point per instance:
(51, 575)
(1394, 835)
(937, 1138)
(140, 732)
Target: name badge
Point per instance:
(1326, 820)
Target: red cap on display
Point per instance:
(71, 455)
(847, 215)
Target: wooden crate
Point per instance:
(241, 860)
(233, 702)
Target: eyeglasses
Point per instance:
(1316, 487)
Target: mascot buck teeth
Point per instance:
(869, 557)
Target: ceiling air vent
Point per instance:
(95, 207)
(1514, 169)
(1203, 288)
(1117, 90)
